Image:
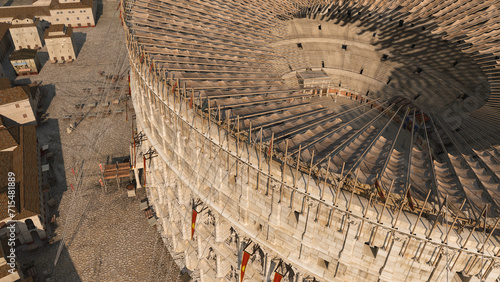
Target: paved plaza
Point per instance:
(106, 235)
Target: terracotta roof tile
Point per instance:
(23, 54)
(13, 94)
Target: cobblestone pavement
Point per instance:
(106, 235)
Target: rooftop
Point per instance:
(15, 3)
(23, 54)
(13, 94)
(39, 8)
(23, 161)
(58, 31)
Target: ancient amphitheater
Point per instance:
(302, 140)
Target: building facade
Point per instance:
(26, 33)
(60, 44)
(19, 105)
(71, 13)
(25, 61)
(74, 13)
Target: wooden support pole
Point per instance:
(310, 170)
(463, 246)
(339, 186)
(283, 170)
(324, 181)
(437, 218)
(415, 225)
(227, 141)
(432, 228)
(364, 217)
(297, 168)
(249, 139)
(269, 162)
(355, 184)
(260, 159)
(379, 218)
(481, 250)
(445, 240)
(237, 144)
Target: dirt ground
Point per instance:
(106, 235)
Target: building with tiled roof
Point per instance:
(72, 13)
(5, 40)
(19, 154)
(26, 33)
(25, 61)
(60, 43)
(19, 104)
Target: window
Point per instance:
(57, 19)
(17, 106)
(67, 19)
(323, 263)
(88, 18)
(77, 18)
(370, 251)
(344, 47)
(385, 57)
(25, 115)
(299, 45)
(319, 27)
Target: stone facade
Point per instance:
(345, 178)
(26, 33)
(248, 200)
(71, 13)
(25, 61)
(60, 43)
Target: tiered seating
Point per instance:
(421, 176)
(372, 163)
(395, 171)
(226, 53)
(448, 185)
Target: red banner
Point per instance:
(191, 101)
(173, 87)
(277, 277)
(129, 92)
(144, 170)
(100, 166)
(72, 188)
(100, 181)
(244, 262)
(151, 67)
(193, 222)
(379, 190)
(410, 201)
